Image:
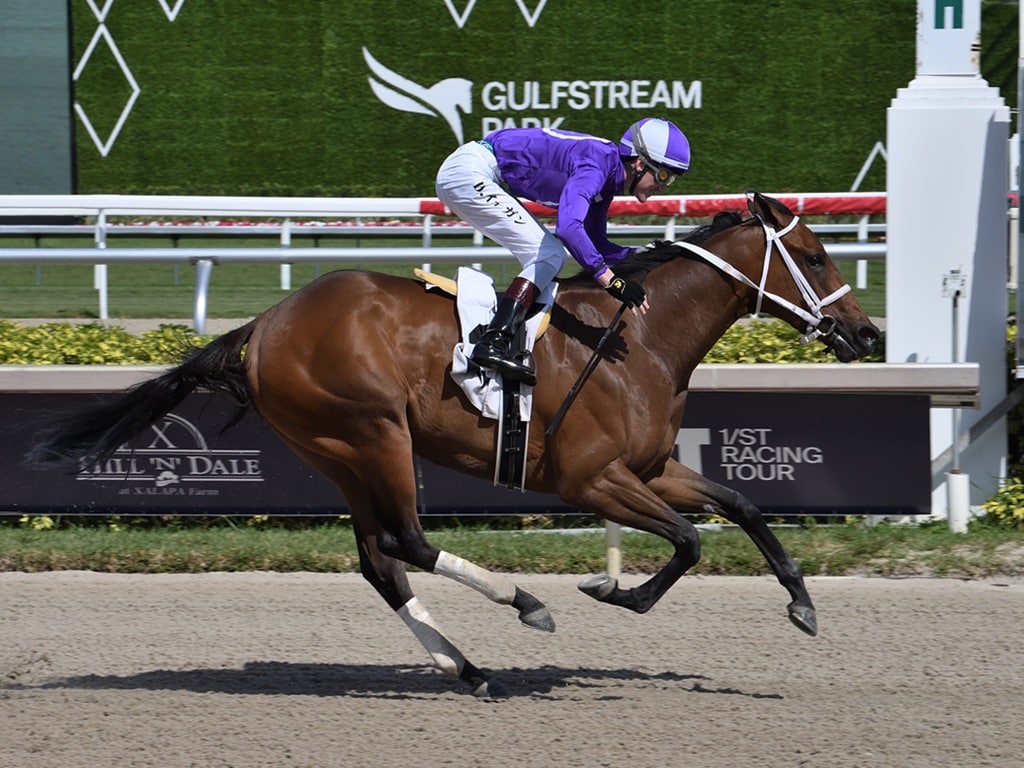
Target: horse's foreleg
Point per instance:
(686, 490)
(619, 496)
(642, 598)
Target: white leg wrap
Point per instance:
(483, 581)
(445, 655)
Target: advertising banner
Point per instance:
(813, 453)
(804, 454)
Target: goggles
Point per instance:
(661, 175)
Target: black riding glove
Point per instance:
(628, 292)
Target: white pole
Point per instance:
(286, 242)
(99, 272)
(958, 484)
(958, 492)
(613, 547)
(1018, 236)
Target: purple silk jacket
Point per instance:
(573, 172)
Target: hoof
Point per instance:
(532, 612)
(598, 587)
(538, 618)
(804, 617)
(490, 690)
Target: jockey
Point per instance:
(481, 182)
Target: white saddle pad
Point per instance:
(476, 302)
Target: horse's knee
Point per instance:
(687, 544)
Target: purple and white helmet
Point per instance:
(658, 142)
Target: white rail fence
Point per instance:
(104, 218)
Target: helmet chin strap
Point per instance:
(637, 175)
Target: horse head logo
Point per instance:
(444, 99)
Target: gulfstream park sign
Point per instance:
(524, 104)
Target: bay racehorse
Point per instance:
(352, 371)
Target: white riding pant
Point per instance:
(469, 183)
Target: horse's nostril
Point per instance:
(868, 335)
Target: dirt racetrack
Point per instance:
(264, 669)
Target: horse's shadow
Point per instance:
(273, 678)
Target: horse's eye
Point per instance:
(815, 260)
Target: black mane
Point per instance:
(661, 251)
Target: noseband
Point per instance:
(819, 325)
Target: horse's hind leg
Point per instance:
(388, 577)
(387, 574)
(391, 496)
(387, 532)
(532, 612)
(408, 543)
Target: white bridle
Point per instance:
(814, 317)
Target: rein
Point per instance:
(818, 324)
(587, 369)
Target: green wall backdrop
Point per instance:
(261, 97)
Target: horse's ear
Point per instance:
(768, 209)
(758, 206)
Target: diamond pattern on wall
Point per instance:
(103, 36)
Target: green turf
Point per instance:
(187, 545)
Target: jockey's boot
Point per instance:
(494, 348)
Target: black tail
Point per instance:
(93, 435)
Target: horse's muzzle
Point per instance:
(850, 344)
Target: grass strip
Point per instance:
(929, 550)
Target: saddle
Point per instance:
(451, 287)
(510, 403)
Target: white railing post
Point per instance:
(478, 242)
(428, 235)
(286, 242)
(613, 549)
(862, 264)
(99, 271)
(204, 270)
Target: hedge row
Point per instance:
(56, 343)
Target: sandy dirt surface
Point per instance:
(266, 669)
